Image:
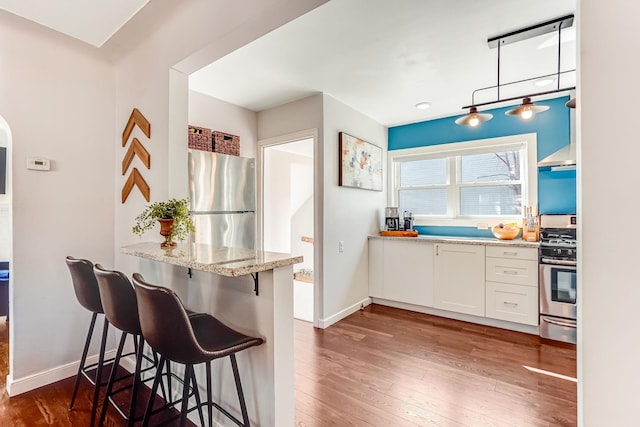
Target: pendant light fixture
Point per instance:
(528, 109)
(474, 118)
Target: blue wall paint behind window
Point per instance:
(556, 190)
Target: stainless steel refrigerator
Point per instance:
(222, 193)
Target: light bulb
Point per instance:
(474, 121)
(526, 113)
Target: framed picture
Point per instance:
(360, 163)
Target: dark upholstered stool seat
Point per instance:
(88, 295)
(121, 310)
(189, 340)
(216, 339)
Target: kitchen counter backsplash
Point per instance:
(465, 240)
(453, 231)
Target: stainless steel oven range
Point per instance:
(558, 283)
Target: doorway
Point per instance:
(288, 213)
(5, 248)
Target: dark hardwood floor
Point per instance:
(48, 406)
(389, 367)
(383, 367)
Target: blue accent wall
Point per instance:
(556, 190)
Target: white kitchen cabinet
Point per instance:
(408, 272)
(459, 278)
(516, 271)
(514, 303)
(376, 267)
(512, 252)
(512, 285)
(401, 270)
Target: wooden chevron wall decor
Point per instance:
(135, 149)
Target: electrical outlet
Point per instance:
(341, 246)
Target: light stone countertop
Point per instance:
(230, 262)
(464, 240)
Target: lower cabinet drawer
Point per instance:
(516, 271)
(513, 303)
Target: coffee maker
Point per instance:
(408, 220)
(392, 219)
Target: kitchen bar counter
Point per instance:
(487, 241)
(230, 262)
(219, 283)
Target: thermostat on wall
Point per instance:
(39, 164)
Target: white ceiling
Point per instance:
(382, 57)
(93, 22)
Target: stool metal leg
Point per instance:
(154, 389)
(169, 381)
(185, 395)
(209, 399)
(136, 381)
(112, 378)
(155, 363)
(96, 389)
(236, 376)
(196, 392)
(83, 358)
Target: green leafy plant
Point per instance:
(175, 209)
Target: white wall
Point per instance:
(5, 199)
(302, 115)
(302, 209)
(212, 113)
(63, 101)
(350, 214)
(288, 210)
(608, 149)
(144, 80)
(345, 214)
(277, 206)
(58, 100)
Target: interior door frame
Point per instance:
(317, 207)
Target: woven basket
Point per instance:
(200, 138)
(226, 143)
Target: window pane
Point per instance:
(503, 166)
(424, 202)
(423, 172)
(491, 200)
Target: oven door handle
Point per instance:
(569, 262)
(555, 322)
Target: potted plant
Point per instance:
(173, 215)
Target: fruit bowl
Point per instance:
(505, 231)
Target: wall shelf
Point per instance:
(303, 277)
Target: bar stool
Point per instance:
(121, 310)
(88, 295)
(189, 340)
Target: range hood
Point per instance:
(563, 159)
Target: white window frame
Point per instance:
(527, 142)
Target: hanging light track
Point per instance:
(528, 108)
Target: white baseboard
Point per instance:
(325, 323)
(50, 376)
(527, 329)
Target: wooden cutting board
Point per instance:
(399, 233)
